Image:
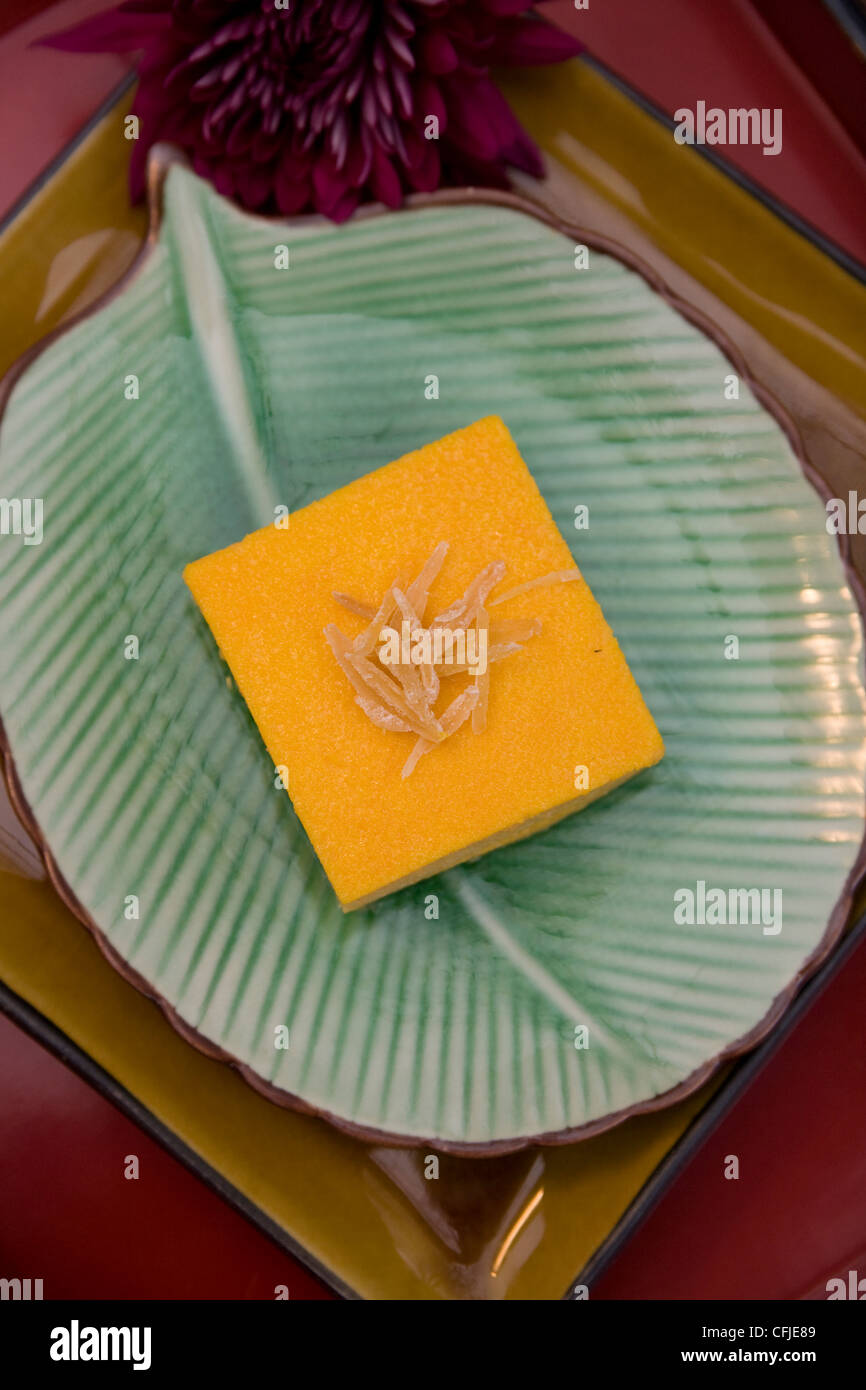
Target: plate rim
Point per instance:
(162, 158)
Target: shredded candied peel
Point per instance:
(401, 696)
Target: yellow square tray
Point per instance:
(520, 1226)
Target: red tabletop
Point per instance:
(796, 1215)
(73, 1219)
(45, 96)
(678, 52)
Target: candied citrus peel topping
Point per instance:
(400, 695)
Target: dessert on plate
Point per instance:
(428, 669)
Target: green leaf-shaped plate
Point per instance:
(148, 780)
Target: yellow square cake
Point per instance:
(553, 722)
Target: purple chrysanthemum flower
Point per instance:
(328, 103)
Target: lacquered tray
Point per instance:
(558, 188)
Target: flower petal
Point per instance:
(112, 31)
(291, 188)
(530, 41)
(469, 125)
(438, 54)
(423, 167)
(344, 207)
(327, 103)
(384, 180)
